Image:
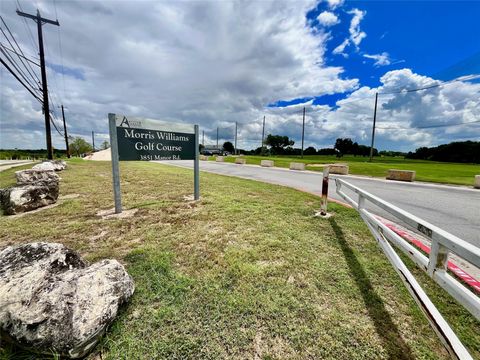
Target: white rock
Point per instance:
(51, 300)
(56, 165)
(20, 199)
(36, 177)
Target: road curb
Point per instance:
(462, 275)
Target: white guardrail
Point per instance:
(442, 243)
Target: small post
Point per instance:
(196, 167)
(115, 163)
(324, 201)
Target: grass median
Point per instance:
(429, 171)
(246, 273)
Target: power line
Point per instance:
(27, 27)
(427, 87)
(13, 51)
(18, 69)
(19, 80)
(20, 49)
(55, 126)
(428, 126)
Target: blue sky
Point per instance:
(438, 39)
(217, 63)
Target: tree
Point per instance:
(310, 151)
(278, 143)
(79, 146)
(105, 145)
(228, 146)
(344, 146)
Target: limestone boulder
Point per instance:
(37, 177)
(51, 300)
(51, 165)
(25, 198)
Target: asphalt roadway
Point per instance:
(7, 164)
(454, 209)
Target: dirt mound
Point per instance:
(102, 155)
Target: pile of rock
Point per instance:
(52, 300)
(51, 165)
(35, 188)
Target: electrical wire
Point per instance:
(19, 80)
(427, 87)
(26, 58)
(20, 49)
(428, 126)
(18, 69)
(27, 27)
(55, 126)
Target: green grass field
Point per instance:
(430, 171)
(246, 273)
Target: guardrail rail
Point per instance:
(435, 265)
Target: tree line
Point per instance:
(283, 145)
(78, 147)
(459, 151)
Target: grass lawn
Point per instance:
(246, 273)
(431, 171)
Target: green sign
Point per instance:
(145, 139)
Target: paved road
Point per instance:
(454, 209)
(7, 164)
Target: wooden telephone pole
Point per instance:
(65, 132)
(46, 110)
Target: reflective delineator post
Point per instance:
(324, 201)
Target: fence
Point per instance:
(442, 243)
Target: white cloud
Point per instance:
(340, 49)
(328, 18)
(356, 34)
(405, 121)
(335, 3)
(382, 59)
(201, 62)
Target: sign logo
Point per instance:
(125, 121)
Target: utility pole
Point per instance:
(93, 141)
(373, 129)
(263, 133)
(217, 137)
(65, 132)
(203, 137)
(46, 110)
(236, 134)
(303, 129)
